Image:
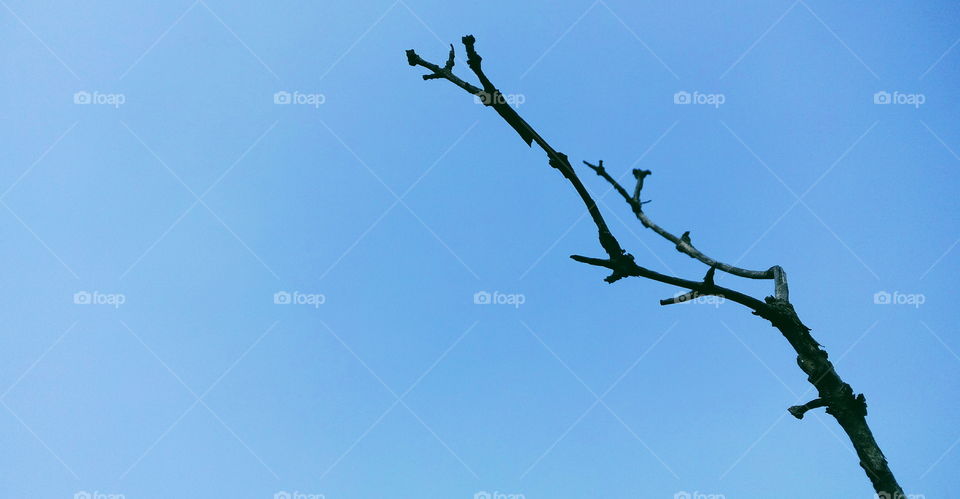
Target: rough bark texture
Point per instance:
(849, 409)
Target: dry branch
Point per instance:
(838, 397)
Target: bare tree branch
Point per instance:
(838, 397)
(683, 245)
(492, 97)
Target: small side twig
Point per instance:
(683, 246)
(799, 410)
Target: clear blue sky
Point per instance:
(185, 192)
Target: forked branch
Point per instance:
(838, 397)
(683, 243)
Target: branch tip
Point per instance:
(412, 57)
(799, 410)
(690, 295)
(708, 279)
(449, 65)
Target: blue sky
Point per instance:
(155, 199)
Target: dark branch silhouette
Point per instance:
(848, 408)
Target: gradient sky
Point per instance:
(185, 192)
